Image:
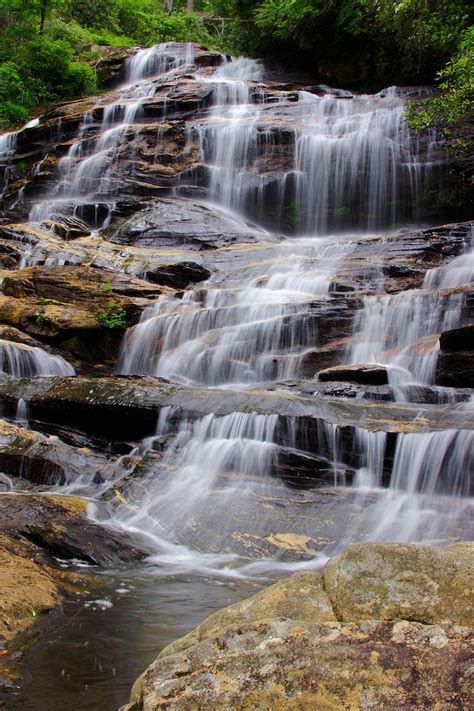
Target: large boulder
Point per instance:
(80, 311)
(400, 640)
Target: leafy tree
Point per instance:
(456, 98)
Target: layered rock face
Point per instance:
(382, 626)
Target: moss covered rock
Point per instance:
(346, 638)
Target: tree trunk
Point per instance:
(190, 5)
(43, 7)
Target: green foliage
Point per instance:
(90, 13)
(106, 286)
(70, 32)
(147, 23)
(110, 39)
(12, 115)
(113, 317)
(456, 97)
(40, 319)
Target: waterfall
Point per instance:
(89, 173)
(355, 154)
(255, 329)
(314, 171)
(8, 144)
(402, 331)
(22, 361)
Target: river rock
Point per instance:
(46, 460)
(292, 646)
(177, 275)
(59, 524)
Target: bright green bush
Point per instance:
(12, 115)
(80, 79)
(68, 31)
(90, 13)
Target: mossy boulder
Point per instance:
(336, 639)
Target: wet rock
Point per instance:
(67, 227)
(59, 525)
(125, 407)
(81, 311)
(455, 365)
(402, 258)
(111, 66)
(301, 470)
(293, 644)
(46, 460)
(178, 276)
(364, 374)
(175, 221)
(28, 589)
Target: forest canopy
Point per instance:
(48, 47)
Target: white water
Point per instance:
(22, 361)
(401, 331)
(91, 167)
(256, 328)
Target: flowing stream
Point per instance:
(311, 177)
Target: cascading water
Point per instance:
(356, 155)
(8, 143)
(327, 168)
(402, 331)
(355, 152)
(22, 361)
(257, 328)
(88, 173)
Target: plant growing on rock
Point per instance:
(113, 317)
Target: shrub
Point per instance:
(12, 115)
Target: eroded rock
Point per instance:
(175, 221)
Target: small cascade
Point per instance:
(159, 59)
(22, 361)
(89, 173)
(429, 495)
(206, 466)
(401, 331)
(8, 143)
(256, 329)
(218, 473)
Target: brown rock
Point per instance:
(315, 642)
